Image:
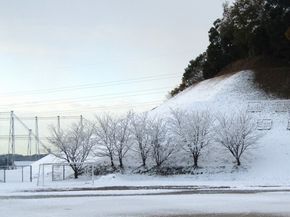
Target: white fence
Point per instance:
(254, 107)
(282, 106)
(57, 172)
(278, 106)
(21, 173)
(264, 124)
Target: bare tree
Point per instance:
(141, 136)
(161, 142)
(237, 134)
(192, 131)
(73, 145)
(122, 137)
(105, 132)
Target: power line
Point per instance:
(102, 108)
(34, 136)
(49, 115)
(92, 85)
(88, 98)
(45, 118)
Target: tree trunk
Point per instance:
(195, 161)
(238, 162)
(121, 162)
(143, 162)
(112, 162)
(158, 164)
(76, 174)
(158, 168)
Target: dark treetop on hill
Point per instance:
(248, 28)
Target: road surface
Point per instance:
(146, 203)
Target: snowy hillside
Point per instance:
(269, 162)
(223, 91)
(266, 164)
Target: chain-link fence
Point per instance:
(57, 172)
(21, 173)
(2, 175)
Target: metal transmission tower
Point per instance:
(31, 135)
(29, 142)
(36, 136)
(81, 120)
(58, 124)
(11, 140)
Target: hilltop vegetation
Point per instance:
(247, 30)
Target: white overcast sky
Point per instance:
(51, 44)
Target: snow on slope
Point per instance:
(224, 91)
(269, 162)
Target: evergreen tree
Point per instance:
(248, 28)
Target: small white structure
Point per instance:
(282, 106)
(264, 124)
(254, 107)
(51, 172)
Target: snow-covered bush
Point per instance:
(192, 131)
(237, 134)
(162, 144)
(140, 129)
(159, 142)
(105, 132)
(73, 145)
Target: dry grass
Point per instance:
(271, 75)
(274, 81)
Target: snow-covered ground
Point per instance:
(225, 93)
(269, 162)
(261, 185)
(149, 205)
(179, 182)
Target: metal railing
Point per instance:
(15, 173)
(51, 172)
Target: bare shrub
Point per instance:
(192, 130)
(141, 136)
(161, 142)
(122, 138)
(73, 145)
(105, 132)
(236, 133)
